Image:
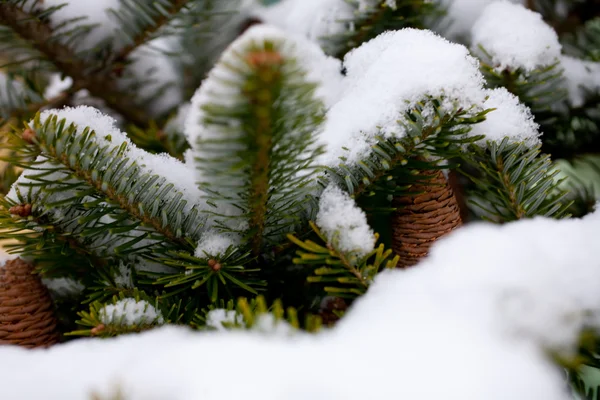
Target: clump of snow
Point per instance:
(462, 14)
(219, 318)
(344, 223)
(63, 287)
(314, 19)
(154, 77)
(510, 119)
(214, 244)
(130, 312)
(93, 13)
(267, 324)
(123, 278)
(515, 37)
(581, 77)
(83, 117)
(388, 75)
(57, 85)
(487, 305)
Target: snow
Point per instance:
(515, 37)
(63, 287)
(581, 77)
(57, 85)
(4, 257)
(320, 69)
(214, 244)
(219, 319)
(314, 19)
(105, 127)
(95, 13)
(107, 133)
(511, 119)
(385, 77)
(154, 76)
(344, 223)
(123, 278)
(476, 318)
(130, 312)
(462, 14)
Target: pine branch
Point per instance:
(211, 275)
(153, 17)
(514, 182)
(110, 196)
(32, 234)
(256, 150)
(387, 169)
(540, 89)
(378, 17)
(345, 277)
(585, 42)
(99, 82)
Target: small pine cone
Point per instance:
(26, 311)
(423, 218)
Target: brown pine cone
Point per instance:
(26, 311)
(423, 218)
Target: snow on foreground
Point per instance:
(474, 321)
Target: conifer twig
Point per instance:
(98, 82)
(146, 34)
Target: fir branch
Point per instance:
(514, 182)
(211, 275)
(256, 156)
(540, 89)
(380, 16)
(55, 251)
(99, 82)
(387, 168)
(154, 16)
(96, 181)
(345, 277)
(585, 42)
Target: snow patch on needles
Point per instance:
(130, 312)
(387, 75)
(515, 37)
(220, 318)
(510, 119)
(63, 287)
(462, 14)
(581, 77)
(215, 244)
(154, 77)
(107, 133)
(344, 223)
(313, 19)
(487, 304)
(95, 13)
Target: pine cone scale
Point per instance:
(26, 310)
(423, 218)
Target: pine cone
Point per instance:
(423, 218)
(26, 310)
